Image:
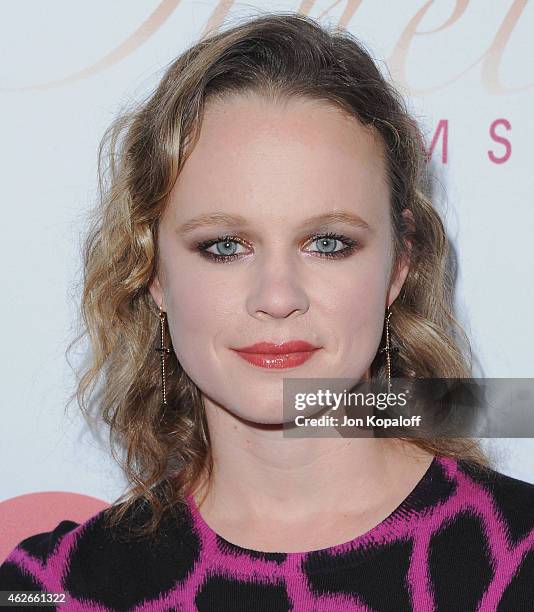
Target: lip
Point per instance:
(271, 348)
(278, 356)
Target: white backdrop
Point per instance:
(68, 69)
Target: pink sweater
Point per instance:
(462, 540)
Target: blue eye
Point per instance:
(225, 247)
(327, 244)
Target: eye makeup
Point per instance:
(327, 237)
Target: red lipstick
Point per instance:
(271, 355)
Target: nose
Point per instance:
(277, 290)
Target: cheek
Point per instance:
(353, 307)
(200, 306)
(357, 292)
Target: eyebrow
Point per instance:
(325, 219)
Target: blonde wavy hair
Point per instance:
(278, 56)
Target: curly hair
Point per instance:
(279, 56)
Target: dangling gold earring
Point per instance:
(389, 348)
(163, 351)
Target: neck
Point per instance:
(260, 475)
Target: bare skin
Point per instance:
(278, 166)
(327, 526)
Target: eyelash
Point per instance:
(352, 245)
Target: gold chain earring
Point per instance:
(163, 351)
(389, 348)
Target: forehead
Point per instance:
(297, 153)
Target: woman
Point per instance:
(264, 220)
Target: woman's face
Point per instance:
(292, 173)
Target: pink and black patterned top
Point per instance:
(463, 540)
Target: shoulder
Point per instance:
(483, 499)
(108, 566)
(480, 538)
(509, 500)
(18, 569)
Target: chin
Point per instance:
(269, 417)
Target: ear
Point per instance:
(403, 266)
(157, 293)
